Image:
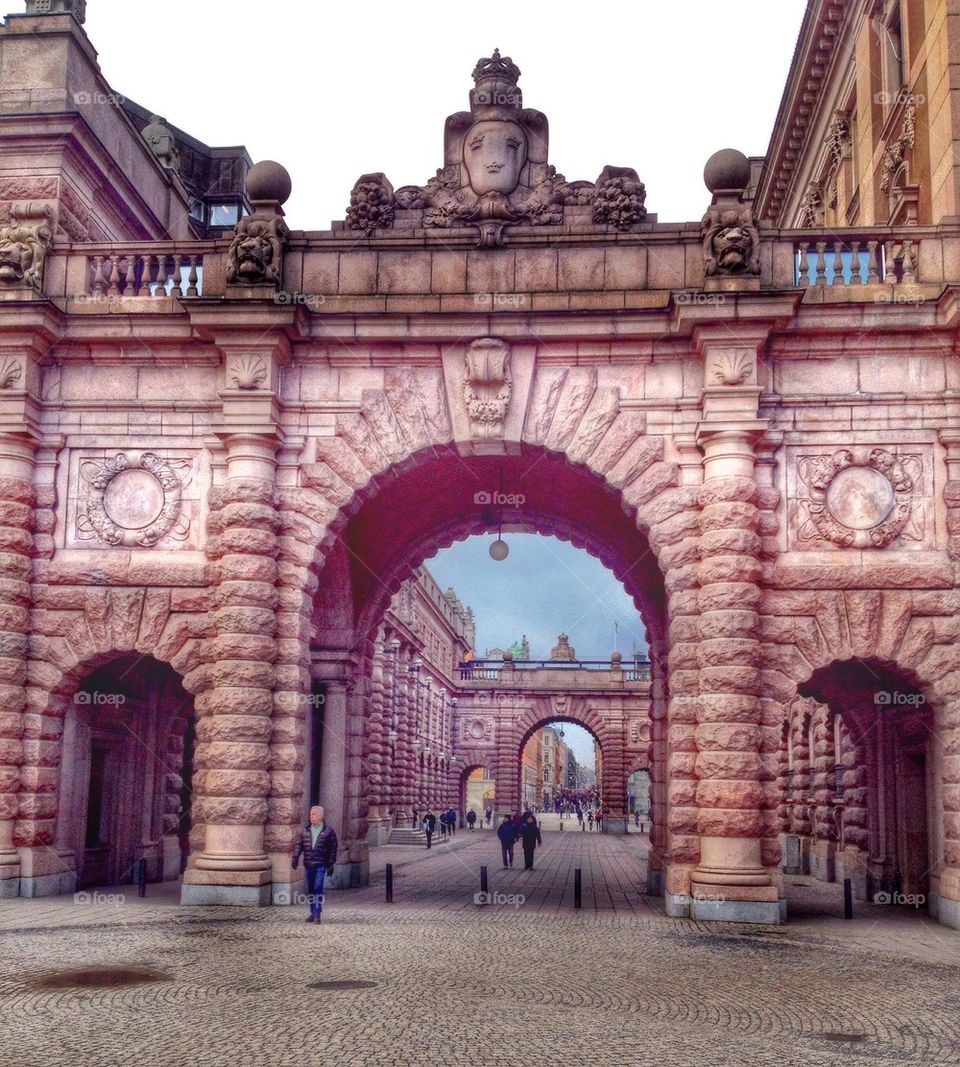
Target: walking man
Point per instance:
(471, 818)
(530, 836)
(429, 826)
(317, 843)
(599, 820)
(507, 833)
(590, 819)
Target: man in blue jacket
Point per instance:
(317, 843)
(507, 832)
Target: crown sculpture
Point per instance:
(495, 173)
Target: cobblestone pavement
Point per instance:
(439, 980)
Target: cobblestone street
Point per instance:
(437, 979)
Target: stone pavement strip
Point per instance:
(437, 979)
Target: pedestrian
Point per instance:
(636, 819)
(599, 820)
(317, 843)
(416, 818)
(507, 833)
(580, 819)
(452, 821)
(471, 818)
(590, 819)
(489, 816)
(442, 820)
(530, 837)
(429, 826)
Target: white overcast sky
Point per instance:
(334, 90)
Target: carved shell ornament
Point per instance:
(854, 504)
(732, 368)
(249, 372)
(10, 372)
(132, 499)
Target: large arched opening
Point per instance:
(861, 783)
(382, 535)
(125, 777)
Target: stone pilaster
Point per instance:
(16, 546)
(379, 749)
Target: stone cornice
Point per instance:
(801, 102)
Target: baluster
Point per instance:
(889, 256)
(873, 264)
(99, 282)
(114, 289)
(856, 268)
(161, 289)
(821, 264)
(838, 263)
(192, 278)
(908, 272)
(141, 275)
(176, 290)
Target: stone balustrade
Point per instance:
(328, 274)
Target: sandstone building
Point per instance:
(225, 448)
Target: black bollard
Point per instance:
(389, 883)
(578, 888)
(484, 888)
(847, 899)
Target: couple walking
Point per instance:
(526, 831)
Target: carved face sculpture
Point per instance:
(732, 247)
(253, 251)
(494, 153)
(15, 257)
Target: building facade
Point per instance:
(224, 451)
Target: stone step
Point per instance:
(407, 836)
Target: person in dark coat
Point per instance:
(429, 826)
(471, 818)
(530, 837)
(317, 843)
(451, 822)
(507, 833)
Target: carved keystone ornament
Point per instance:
(858, 504)
(132, 499)
(487, 385)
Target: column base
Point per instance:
(378, 833)
(709, 902)
(615, 825)
(242, 889)
(9, 887)
(349, 875)
(823, 861)
(48, 885)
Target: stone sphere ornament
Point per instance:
(726, 169)
(268, 180)
(499, 550)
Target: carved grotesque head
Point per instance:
(732, 246)
(255, 251)
(15, 257)
(494, 154)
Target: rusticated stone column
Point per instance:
(16, 547)
(730, 881)
(234, 716)
(379, 750)
(823, 853)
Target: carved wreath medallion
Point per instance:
(477, 730)
(858, 504)
(132, 499)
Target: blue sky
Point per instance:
(544, 587)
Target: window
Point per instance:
(224, 214)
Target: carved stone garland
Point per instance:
(134, 499)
